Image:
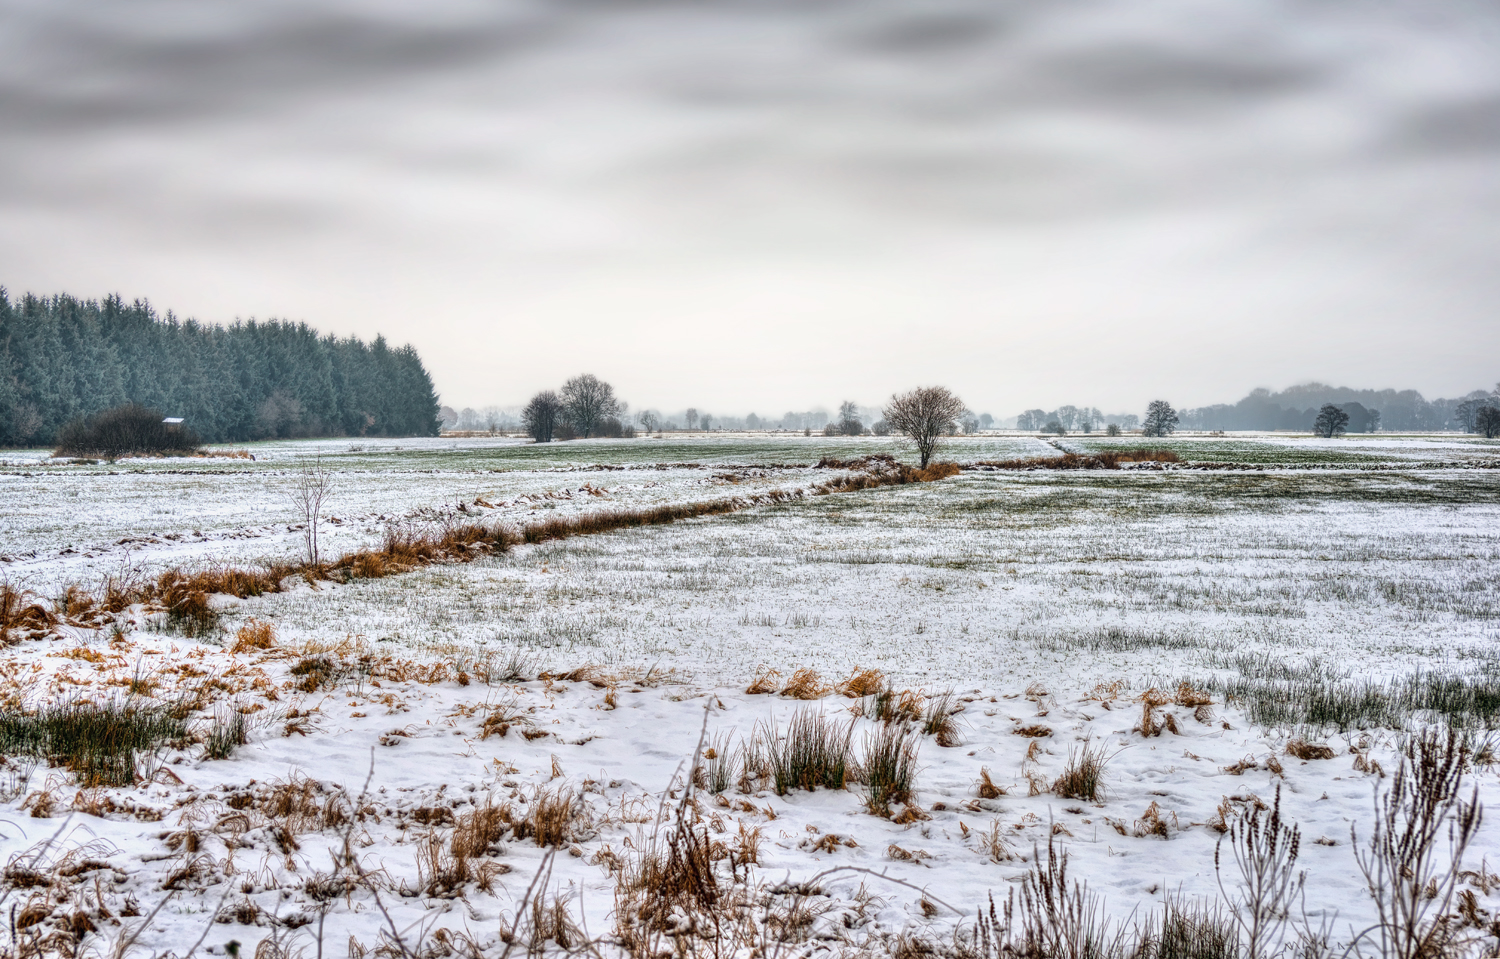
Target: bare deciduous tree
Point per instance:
(540, 415)
(1487, 421)
(923, 416)
(588, 400)
(310, 488)
(1331, 421)
(1161, 419)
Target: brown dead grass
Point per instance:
(805, 684)
(1308, 751)
(766, 681)
(986, 786)
(862, 682)
(1074, 461)
(257, 634)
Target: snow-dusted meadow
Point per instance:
(1045, 600)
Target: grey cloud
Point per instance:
(76, 67)
(1468, 126)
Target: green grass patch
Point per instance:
(99, 743)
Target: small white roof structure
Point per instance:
(172, 420)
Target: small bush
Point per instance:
(99, 743)
(122, 431)
(890, 767)
(813, 752)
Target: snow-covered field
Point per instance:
(1047, 601)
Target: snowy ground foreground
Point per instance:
(998, 586)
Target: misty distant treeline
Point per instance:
(1297, 408)
(63, 358)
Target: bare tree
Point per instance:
(540, 415)
(1487, 421)
(848, 422)
(310, 488)
(692, 418)
(1331, 421)
(923, 416)
(588, 400)
(1161, 419)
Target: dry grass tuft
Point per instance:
(938, 721)
(1083, 777)
(814, 751)
(994, 843)
(986, 786)
(1305, 750)
(1153, 823)
(256, 634)
(890, 767)
(805, 684)
(861, 683)
(1035, 731)
(766, 681)
(554, 818)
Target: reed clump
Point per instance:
(99, 742)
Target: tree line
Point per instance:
(1299, 407)
(63, 359)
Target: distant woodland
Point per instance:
(63, 358)
(1369, 410)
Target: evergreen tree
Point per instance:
(63, 359)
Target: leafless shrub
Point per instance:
(1413, 888)
(1050, 918)
(1265, 851)
(307, 491)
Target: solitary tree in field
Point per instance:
(692, 418)
(540, 415)
(1487, 421)
(1161, 419)
(587, 400)
(310, 487)
(1331, 421)
(923, 416)
(849, 423)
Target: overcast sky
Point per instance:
(763, 205)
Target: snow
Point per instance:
(987, 584)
